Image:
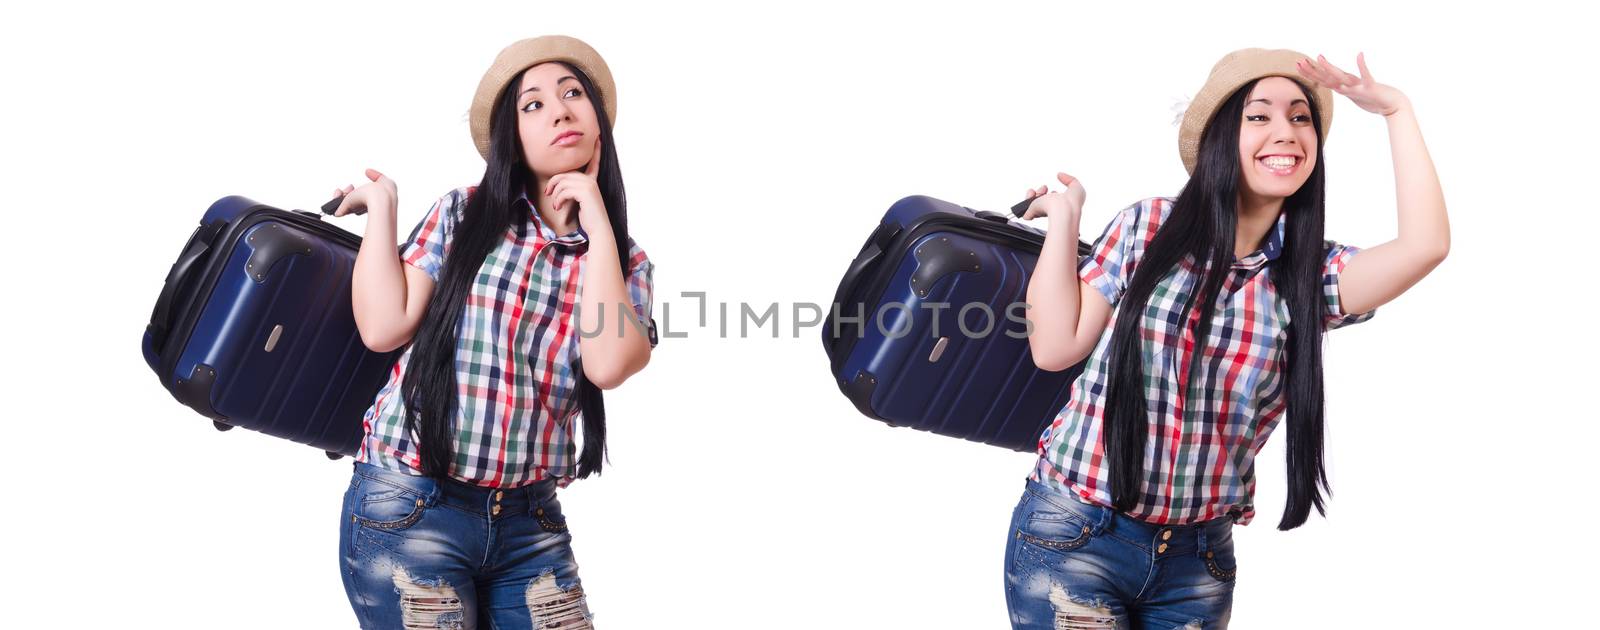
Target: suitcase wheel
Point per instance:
(333, 456)
(220, 425)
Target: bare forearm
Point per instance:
(1423, 225)
(378, 288)
(1054, 299)
(621, 347)
(1383, 272)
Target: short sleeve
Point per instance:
(1110, 262)
(1333, 265)
(425, 248)
(641, 282)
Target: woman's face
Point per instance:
(555, 120)
(1277, 143)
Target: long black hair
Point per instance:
(429, 389)
(1201, 227)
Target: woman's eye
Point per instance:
(1256, 117)
(573, 92)
(1302, 118)
(532, 105)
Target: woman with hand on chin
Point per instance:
(451, 517)
(1126, 519)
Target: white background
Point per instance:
(760, 146)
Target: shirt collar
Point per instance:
(1269, 252)
(575, 238)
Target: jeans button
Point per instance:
(1166, 535)
(1162, 548)
(495, 511)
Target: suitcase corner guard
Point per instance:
(936, 259)
(859, 390)
(272, 243)
(195, 391)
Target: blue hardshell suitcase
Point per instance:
(254, 327)
(911, 362)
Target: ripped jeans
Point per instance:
(417, 552)
(1074, 565)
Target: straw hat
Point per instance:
(1234, 70)
(528, 53)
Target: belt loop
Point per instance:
(436, 493)
(1104, 521)
(531, 494)
(1200, 539)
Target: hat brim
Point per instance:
(526, 54)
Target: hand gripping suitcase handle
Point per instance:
(1022, 208)
(1017, 210)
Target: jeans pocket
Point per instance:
(384, 507)
(1220, 562)
(548, 513)
(1048, 526)
(1223, 570)
(1055, 535)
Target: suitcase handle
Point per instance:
(1017, 210)
(860, 265)
(869, 256)
(196, 249)
(333, 205)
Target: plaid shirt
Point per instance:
(1200, 464)
(516, 411)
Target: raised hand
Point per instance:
(580, 191)
(380, 193)
(1066, 205)
(1364, 91)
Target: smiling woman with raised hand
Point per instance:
(1202, 319)
(451, 518)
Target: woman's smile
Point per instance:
(1279, 164)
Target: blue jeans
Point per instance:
(1070, 564)
(417, 552)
